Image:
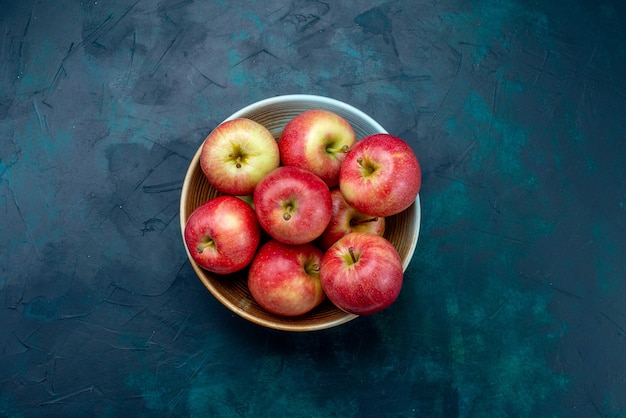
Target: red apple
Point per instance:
(237, 154)
(346, 219)
(317, 140)
(361, 273)
(285, 279)
(222, 235)
(292, 205)
(380, 175)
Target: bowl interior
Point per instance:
(401, 230)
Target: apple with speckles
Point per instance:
(317, 140)
(222, 235)
(292, 205)
(361, 273)
(237, 154)
(285, 279)
(380, 175)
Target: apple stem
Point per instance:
(354, 222)
(351, 251)
(204, 245)
(367, 166)
(288, 209)
(343, 149)
(237, 161)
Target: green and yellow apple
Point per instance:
(237, 154)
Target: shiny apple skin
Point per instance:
(380, 175)
(284, 279)
(369, 284)
(292, 205)
(229, 228)
(317, 140)
(237, 154)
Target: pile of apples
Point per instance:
(304, 214)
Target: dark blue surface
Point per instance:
(513, 304)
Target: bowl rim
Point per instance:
(307, 98)
(295, 327)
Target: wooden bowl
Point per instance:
(231, 290)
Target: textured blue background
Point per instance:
(513, 304)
